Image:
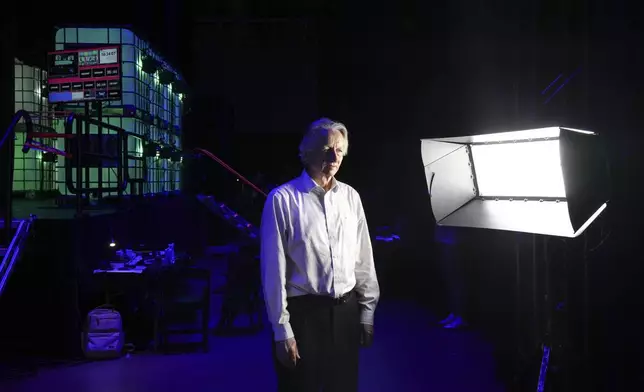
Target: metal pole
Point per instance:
(535, 302)
(79, 168)
(586, 305)
(86, 133)
(547, 296)
(517, 296)
(122, 163)
(7, 92)
(8, 219)
(99, 118)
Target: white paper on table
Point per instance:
(137, 270)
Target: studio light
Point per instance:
(166, 77)
(49, 157)
(551, 181)
(166, 152)
(176, 156)
(180, 86)
(149, 65)
(150, 150)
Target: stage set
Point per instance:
(97, 229)
(103, 255)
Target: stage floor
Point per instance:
(410, 353)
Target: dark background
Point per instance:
(398, 71)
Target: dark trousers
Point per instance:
(327, 333)
(452, 266)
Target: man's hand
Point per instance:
(287, 352)
(366, 335)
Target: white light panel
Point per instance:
(528, 169)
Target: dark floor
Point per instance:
(409, 354)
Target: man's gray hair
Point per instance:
(311, 140)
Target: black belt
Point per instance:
(324, 299)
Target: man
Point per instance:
(318, 272)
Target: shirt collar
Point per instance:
(307, 184)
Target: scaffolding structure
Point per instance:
(148, 109)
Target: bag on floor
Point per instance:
(103, 335)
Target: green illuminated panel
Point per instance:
(30, 172)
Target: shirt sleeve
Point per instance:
(367, 286)
(273, 266)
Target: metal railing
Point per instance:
(12, 253)
(76, 131)
(8, 139)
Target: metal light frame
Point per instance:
(456, 199)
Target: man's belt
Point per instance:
(325, 299)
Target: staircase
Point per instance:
(11, 252)
(248, 230)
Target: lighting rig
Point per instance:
(548, 182)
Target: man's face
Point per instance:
(328, 157)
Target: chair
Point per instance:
(182, 290)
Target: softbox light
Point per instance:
(551, 181)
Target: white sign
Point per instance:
(108, 56)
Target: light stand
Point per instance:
(552, 345)
(551, 182)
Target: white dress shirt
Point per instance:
(315, 242)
